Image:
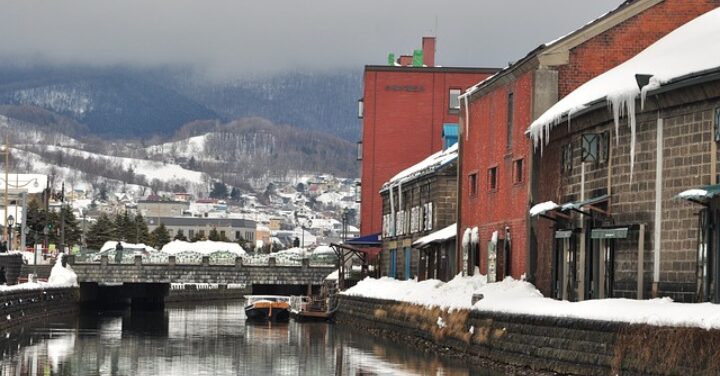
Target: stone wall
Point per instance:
(18, 307)
(170, 273)
(194, 293)
(566, 346)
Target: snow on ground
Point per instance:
(205, 247)
(520, 297)
(189, 147)
(111, 244)
(151, 169)
(455, 294)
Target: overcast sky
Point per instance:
(232, 38)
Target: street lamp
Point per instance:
(10, 223)
(46, 231)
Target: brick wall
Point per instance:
(485, 146)
(405, 109)
(687, 137)
(533, 344)
(627, 39)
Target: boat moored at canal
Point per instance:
(267, 308)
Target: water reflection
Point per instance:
(204, 340)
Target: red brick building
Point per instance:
(404, 108)
(497, 183)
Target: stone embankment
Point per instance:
(22, 306)
(536, 344)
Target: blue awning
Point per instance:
(372, 240)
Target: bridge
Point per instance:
(140, 281)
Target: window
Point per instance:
(454, 102)
(492, 178)
(566, 162)
(222, 234)
(361, 108)
(191, 234)
(472, 184)
(250, 236)
(589, 147)
(358, 192)
(359, 150)
(510, 111)
(518, 171)
(604, 147)
(237, 235)
(201, 233)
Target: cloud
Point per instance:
(234, 38)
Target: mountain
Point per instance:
(126, 103)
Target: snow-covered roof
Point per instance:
(424, 167)
(205, 247)
(543, 208)
(437, 236)
(690, 49)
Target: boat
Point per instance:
(267, 308)
(304, 308)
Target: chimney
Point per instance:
(428, 47)
(405, 60)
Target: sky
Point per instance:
(226, 39)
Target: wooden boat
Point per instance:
(313, 308)
(267, 308)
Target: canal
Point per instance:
(206, 339)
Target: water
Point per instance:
(205, 340)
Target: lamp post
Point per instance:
(46, 232)
(10, 223)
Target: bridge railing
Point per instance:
(203, 260)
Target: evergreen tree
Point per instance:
(142, 234)
(100, 232)
(159, 236)
(235, 194)
(119, 226)
(213, 235)
(72, 227)
(196, 237)
(219, 190)
(180, 236)
(35, 221)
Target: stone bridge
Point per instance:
(271, 274)
(138, 281)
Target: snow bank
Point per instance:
(520, 297)
(689, 49)
(62, 276)
(205, 247)
(127, 247)
(455, 294)
(323, 250)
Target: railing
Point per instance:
(193, 258)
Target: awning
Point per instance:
(439, 236)
(700, 195)
(544, 207)
(372, 240)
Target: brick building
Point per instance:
(418, 201)
(497, 182)
(404, 108)
(621, 227)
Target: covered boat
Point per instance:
(267, 308)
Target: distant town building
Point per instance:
(152, 209)
(233, 229)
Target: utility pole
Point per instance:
(7, 166)
(62, 218)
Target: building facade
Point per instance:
(498, 183)
(404, 108)
(149, 208)
(418, 202)
(233, 229)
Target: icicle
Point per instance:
(632, 121)
(467, 118)
(466, 238)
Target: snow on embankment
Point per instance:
(62, 275)
(455, 294)
(520, 297)
(690, 49)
